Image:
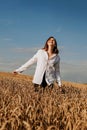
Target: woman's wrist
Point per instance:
(60, 86)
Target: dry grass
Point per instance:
(23, 109)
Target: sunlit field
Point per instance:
(21, 108)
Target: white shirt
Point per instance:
(50, 66)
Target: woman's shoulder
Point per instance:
(41, 51)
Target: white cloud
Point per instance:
(7, 39)
(23, 50)
(23, 54)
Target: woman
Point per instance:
(48, 65)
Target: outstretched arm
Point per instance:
(26, 65)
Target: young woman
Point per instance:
(48, 65)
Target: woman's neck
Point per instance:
(50, 51)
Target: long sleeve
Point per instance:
(57, 71)
(27, 64)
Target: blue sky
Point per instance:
(25, 25)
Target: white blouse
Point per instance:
(44, 65)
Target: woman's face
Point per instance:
(51, 42)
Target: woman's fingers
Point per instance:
(15, 72)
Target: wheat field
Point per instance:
(21, 108)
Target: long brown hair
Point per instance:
(55, 49)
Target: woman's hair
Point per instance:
(55, 49)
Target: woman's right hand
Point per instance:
(15, 72)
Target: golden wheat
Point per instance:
(23, 109)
